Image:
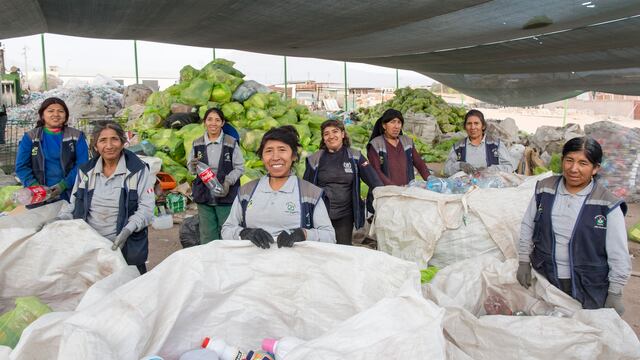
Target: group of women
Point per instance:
(573, 232)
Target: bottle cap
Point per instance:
(205, 342)
(269, 345)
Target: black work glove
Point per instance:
(286, 239)
(259, 237)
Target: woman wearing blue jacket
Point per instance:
(50, 154)
(338, 169)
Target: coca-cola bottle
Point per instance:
(209, 178)
(32, 195)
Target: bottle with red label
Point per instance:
(209, 179)
(32, 195)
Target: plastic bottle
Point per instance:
(200, 354)
(490, 182)
(281, 347)
(496, 305)
(437, 184)
(32, 195)
(460, 185)
(209, 178)
(418, 183)
(144, 147)
(224, 351)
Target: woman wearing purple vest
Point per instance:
(573, 232)
(222, 154)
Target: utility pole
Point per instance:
(135, 55)
(44, 64)
(26, 65)
(346, 90)
(285, 78)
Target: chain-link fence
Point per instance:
(14, 131)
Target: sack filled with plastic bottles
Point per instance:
(491, 316)
(434, 228)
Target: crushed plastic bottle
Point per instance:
(418, 183)
(497, 305)
(487, 182)
(32, 195)
(437, 185)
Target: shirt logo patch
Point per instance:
(227, 156)
(34, 151)
(291, 208)
(250, 204)
(601, 222)
(347, 167)
(495, 152)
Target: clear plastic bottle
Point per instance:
(437, 184)
(224, 351)
(490, 182)
(200, 354)
(209, 178)
(32, 195)
(282, 347)
(459, 185)
(418, 183)
(144, 147)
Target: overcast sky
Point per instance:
(115, 58)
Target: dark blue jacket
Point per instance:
(587, 246)
(136, 249)
(362, 171)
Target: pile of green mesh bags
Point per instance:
(449, 118)
(252, 109)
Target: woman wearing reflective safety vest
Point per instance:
(392, 154)
(50, 154)
(573, 232)
(114, 195)
(279, 205)
(338, 169)
(477, 151)
(219, 151)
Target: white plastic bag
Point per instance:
(349, 303)
(430, 228)
(584, 334)
(57, 264)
